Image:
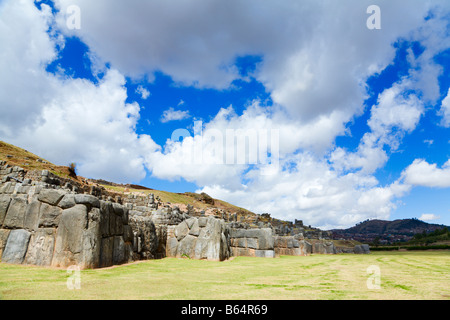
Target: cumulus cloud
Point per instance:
(315, 60)
(64, 119)
(172, 115)
(445, 110)
(143, 92)
(422, 173)
(429, 217)
(26, 49)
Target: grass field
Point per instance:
(403, 275)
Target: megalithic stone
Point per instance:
(16, 246)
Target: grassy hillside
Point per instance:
(198, 201)
(16, 156)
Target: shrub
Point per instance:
(72, 169)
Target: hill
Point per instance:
(15, 156)
(386, 231)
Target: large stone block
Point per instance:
(146, 240)
(31, 220)
(186, 247)
(361, 249)
(265, 239)
(265, 253)
(171, 247)
(194, 229)
(88, 200)
(69, 239)
(365, 248)
(323, 247)
(201, 248)
(119, 250)
(5, 200)
(92, 240)
(118, 219)
(202, 221)
(252, 243)
(190, 222)
(106, 253)
(118, 209)
(127, 234)
(213, 234)
(3, 238)
(105, 211)
(181, 230)
(49, 216)
(40, 248)
(16, 213)
(16, 246)
(68, 201)
(51, 196)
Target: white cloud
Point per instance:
(143, 92)
(391, 118)
(304, 185)
(316, 57)
(421, 173)
(429, 217)
(26, 50)
(63, 119)
(173, 115)
(445, 110)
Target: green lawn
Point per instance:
(403, 275)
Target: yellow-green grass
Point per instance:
(182, 198)
(28, 161)
(403, 275)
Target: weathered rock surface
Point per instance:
(69, 239)
(68, 201)
(16, 213)
(40, 248)
(87, 200)
(252, 242)
(324, 247)
(4, 204)
(3, 238)
(49, 216)
(361, 249)
(16, 246)
(31, 220)
(199, 238)
(51, 196)
(145, 240)
(292, 246)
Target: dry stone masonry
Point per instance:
(199, 238)
(46, 220)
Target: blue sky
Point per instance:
(363, 115)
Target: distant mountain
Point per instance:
(386, 231)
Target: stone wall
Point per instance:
(199, 238)
(292, 246)
(49, 225)
(252, 242)
(50, 221)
